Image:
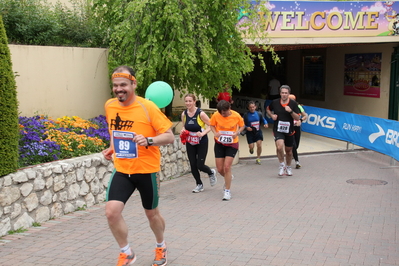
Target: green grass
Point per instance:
(83, 208)
(18, 231)
(36, 224)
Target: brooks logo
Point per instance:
(376, 135)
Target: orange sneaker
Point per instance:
(160, 257)
(125, 259)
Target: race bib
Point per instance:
(124, 146)
(192, 138)
(226, 137)
(283, 127)
(255, 125)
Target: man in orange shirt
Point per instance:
(136, 127)
(226, 125)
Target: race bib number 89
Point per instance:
(124, 146)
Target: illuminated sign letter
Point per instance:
(313, 20)
(349, 20)
(286, 20)
(270, 21)
(371, 16)
(330, 18)
(300, 22)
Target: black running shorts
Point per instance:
(288, 139)
(223, 151)
(121, 186)
(252, 138)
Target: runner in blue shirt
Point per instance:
(253, 120)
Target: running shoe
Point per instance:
(288, 170)
(160, 257)
(227, 195)
(125, 259)
(198, 188)
(298, 165)
(281, 171)
(212, 178)
(251, 151)
(258, 161)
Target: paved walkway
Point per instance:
(333, 211)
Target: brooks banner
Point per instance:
(381, 135)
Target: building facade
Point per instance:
(336, 55)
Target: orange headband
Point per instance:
(123, 75)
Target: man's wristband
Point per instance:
(291, 112)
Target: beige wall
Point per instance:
(334, 93)
(64, 81)
(61, 81)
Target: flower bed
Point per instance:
(43, 139)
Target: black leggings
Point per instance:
(197, 155)
(297, 138)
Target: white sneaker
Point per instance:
(288, 169)
(227, 195)
(281, 171)
(198, 188)
(212, 178)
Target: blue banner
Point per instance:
(381, 135)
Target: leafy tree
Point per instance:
(193, 45)
(37, 22)
(9, 134)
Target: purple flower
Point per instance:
(34, 148)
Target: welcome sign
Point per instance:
(327, 18)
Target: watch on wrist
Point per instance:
(291, 112)
(150, 141)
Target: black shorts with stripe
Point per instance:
(121, 186)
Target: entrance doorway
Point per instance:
(393, 111)
(255, 84)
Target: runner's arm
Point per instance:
(159, 140)
(215, 132)
(205, 118)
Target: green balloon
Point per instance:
(160, 93)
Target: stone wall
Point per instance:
(43, 192)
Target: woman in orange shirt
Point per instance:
(226, 125)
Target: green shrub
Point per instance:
(36, 22)
(9, 131)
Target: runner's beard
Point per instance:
(121, 97)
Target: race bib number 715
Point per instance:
(226, 137)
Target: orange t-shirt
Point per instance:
(230, 123)
(142, 117)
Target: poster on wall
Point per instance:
(362, 75)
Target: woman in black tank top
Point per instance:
(194, 134)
